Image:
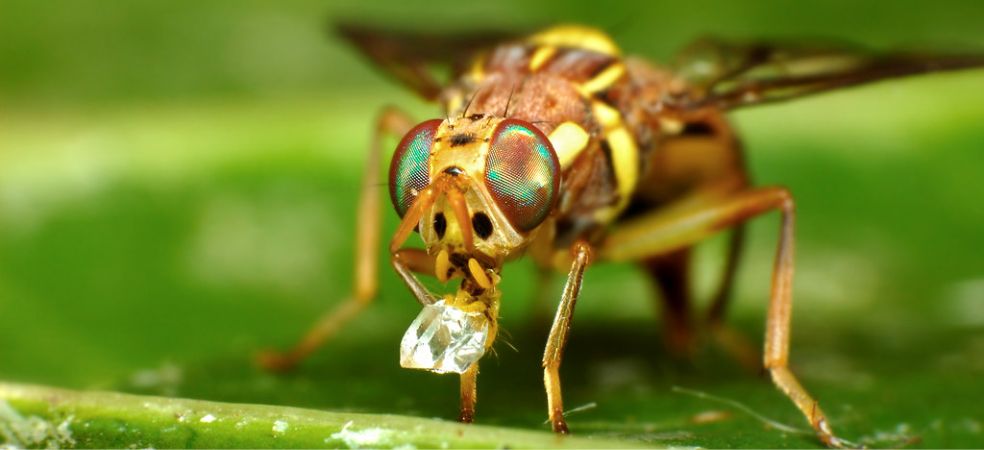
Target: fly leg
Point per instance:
(724, 335)
(719, 303)
(390, 121)
(554, 351)
(671, 273)
(677, 228)
(469, 393)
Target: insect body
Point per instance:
(557, 146)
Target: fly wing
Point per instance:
(730, 75)
(409, 57)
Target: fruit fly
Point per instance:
(557, 146)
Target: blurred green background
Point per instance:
(177, 182)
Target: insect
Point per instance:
(557, 146)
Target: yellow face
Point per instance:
(477, 189)
(492, 182)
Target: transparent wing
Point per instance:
(730, 75)
(410, 57)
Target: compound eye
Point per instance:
(522, 173)
(410, 168)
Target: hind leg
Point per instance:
(670, 230)
(671, 275)
(732, 341)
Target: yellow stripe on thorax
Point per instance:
(568, 140)
(603, 80)
(576, 36)
(624, 154)
(541, 55)
(477, 69)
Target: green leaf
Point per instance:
(37, 416)
(178, 184)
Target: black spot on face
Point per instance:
(454, 171)
(461, 139)
(440, 225)
(482, 225)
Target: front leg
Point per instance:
(554, 351)
(469, 393)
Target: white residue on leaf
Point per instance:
(280, 426)
(369, 437)
(900, 437)
(32, 431)
(164, 379)
(207, 418)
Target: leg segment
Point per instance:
(665, 232)
(724, 335)
(672, 275)
(553, 353)
(469, 394)
(390, 121)
(719, 302)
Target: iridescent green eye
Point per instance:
(522, 173)
(410, 168)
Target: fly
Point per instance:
(557, 146)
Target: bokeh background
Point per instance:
(177, 183)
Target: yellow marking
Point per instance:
(477, 70)
(603, 80)
(625, 160)
(670, 126)
(442, 264)
(608, 117)
(568, 140)
(465, 302)
(542, 55)
(576, 36)
(624, 154)
(454, 102)
(478, 274)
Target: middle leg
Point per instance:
(391, 121)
